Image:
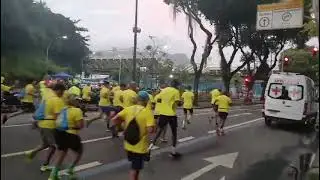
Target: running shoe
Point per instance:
(163, 140)
(44, 168)
(222, 132)
(29, 155)
(218, 132)
(71, 175)
(175, 155)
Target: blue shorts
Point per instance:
(106, 109)
(136, 160)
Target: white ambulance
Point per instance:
(290, 97)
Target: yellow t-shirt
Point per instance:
(116, 88)
(104, 97)
(129, 97)
(144, 119)
(74, 116)
(29, 93)
(151, 100)
(214, 94)
(53, 106)
(156, 107)
(42, 88)
(5, 88)
(168, 97)
(47, 93)
(75, 91)
(187, 97)
(223, 103)
(86, 91)
(116, 98)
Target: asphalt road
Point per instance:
(249, 150)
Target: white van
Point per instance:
(290, 96)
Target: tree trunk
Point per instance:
(226, 82)
(196, 87)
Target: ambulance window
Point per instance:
(286, 92)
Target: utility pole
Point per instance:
(136, 30)
(315, 7)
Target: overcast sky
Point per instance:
(110, 24)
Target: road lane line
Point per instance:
(185, 139)
(16, 125)
(203, 112)
(13, 154)
(23, 152)
(109, 137)
(82, 167)
(237, 125)
(95, 140)
(155, 147)
(241, 114)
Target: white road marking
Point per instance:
(82, 167)
(155, 147)
(223, 178)
(203, 112)
(241, 114)
(237, 125)
(16, 125)
(95, 140)
(185, 139)
(23, 152)
(109, 137)
(13, 154)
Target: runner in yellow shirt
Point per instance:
(169, 99)
(224, 102)
(129, 96)
(28, 99)
(187, 98)
(52, 108)
(151, 101)
(117, 101)
(69, 122)
(214, 95)
(156, 115)
(86, 93)
(105, 103)
(137, 152)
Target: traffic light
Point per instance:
(286, 61)
(247, 80)
(315, 51)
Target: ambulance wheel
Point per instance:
(267, 121)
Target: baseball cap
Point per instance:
(143, 96)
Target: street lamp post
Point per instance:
(50, 44)
(120, 69)
(136, 30)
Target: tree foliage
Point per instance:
(27, 29)
(302, 61)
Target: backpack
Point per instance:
(132, 132)
(62, 120)
(40, 112)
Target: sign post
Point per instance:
(283, 15)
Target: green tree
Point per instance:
(302, 61)
(27, 29)
(195, 17)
